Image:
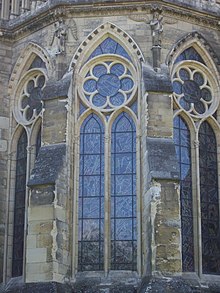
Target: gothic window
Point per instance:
(107, 207)
(91, 195)
(123, 194)
(195, 99)
(209, 199)
(183, 150)
(24, 150)
(19, 209)
(38, 141)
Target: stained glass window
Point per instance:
(19, 209)
(37, 63)
(209, 200)
(189, 54)
(183, 151)
(108, 85)
(38, 141)
(91, 195)
(192, 90)
(123, 194)
(110, 46)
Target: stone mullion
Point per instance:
(107, 205)
(198, 209)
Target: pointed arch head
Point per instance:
(199, 43)
(96, 37)
(25, 60)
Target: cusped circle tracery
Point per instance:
(108, 84)
(29, 104)
(193, 91)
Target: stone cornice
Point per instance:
(54, 9)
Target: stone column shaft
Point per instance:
(25, 5)
(5, 9)
(15, 8)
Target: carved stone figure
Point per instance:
(156, 28)
(61, 35)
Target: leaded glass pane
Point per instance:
(190, 54)
(19, 209)
(91, 195)
(109, 46)
(209, 200)
(38, 142)
(123, 194)
(183, 150)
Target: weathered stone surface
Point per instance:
(42, 195)
(162, 159)
(57, 89)
(51, 287)
(48, 164)
(157, 81)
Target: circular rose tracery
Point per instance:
(192, 90)
(30, 104)
(108, 85)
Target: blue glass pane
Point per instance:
(190, 54)
(98, 100)
(117, 100)
(90, 85)
(99, 70)
(91, 195)
(182, 144)
(109, 46)
(19, 210)
(108, 85)
(96, 52)
(198, 78)
(127, 84)
(184, 74)
(123, 194)
(209, 200)
(121, 51)
(177, 87)
(117, 69)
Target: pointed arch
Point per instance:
(209, 198)
(199, 43)
(182, 142)
(24, 61)
(98, 35)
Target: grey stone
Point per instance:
(157, 81)
(57, 89)
(162, 158)
(48, 164)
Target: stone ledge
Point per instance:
(162, 158)
(48, 164)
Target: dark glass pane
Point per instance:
(209, 200)
(183, 150)
(189, 54)
(91, 195)
(38, 142)
(37, 63)
(123, 194)
(19, 209)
